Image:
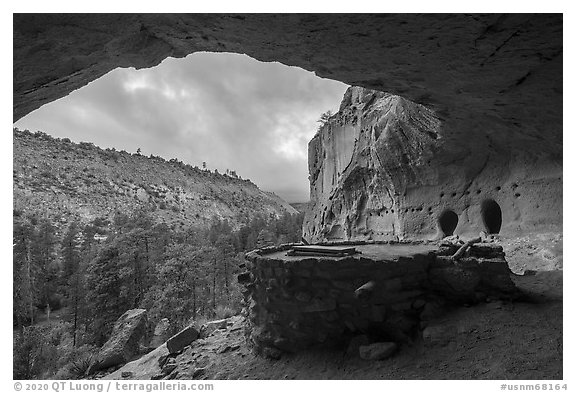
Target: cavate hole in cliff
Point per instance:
(491, 216)
(447, 222)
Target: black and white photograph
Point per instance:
(199, 197)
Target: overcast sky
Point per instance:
(229, 110)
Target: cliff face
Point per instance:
(494, 82)
(64, 180)
(385, 168)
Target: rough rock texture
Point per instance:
(125, 340)
(492, 84)
(181, 339)
(386, 168)
(209, 327)
(143, 368)
(293, 303)
(505, 67)
(200, 356)
(489, 341)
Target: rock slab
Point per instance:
(183, 338)
(124, 343)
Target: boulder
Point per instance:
(181, 339)
(145, 367)
(377, 351)
(124, 342)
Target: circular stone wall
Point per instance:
(296, 302)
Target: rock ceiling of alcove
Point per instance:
(506, 68)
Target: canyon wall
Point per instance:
(492, 85)
(386, 168)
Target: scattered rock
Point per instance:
(209, 327)
(162, 360)
(169, 366)
(181, 339)
(198, 373)
(127, 374)
(377, 351)
(223, 348)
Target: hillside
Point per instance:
(62, 180)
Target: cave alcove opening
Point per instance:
(491, 216)
(447, 222)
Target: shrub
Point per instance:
(75, 362)
(224, 312)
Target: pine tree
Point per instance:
(73, 275)
(107, 295)
(23, 295)
(45, 267)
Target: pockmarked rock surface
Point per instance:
(124, 342)
(386, 168)
(468, 135)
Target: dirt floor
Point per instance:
(492, 340)
(534, 252)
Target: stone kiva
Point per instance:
(298, 302)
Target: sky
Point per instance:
(229, 110)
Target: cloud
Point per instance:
(229, 110)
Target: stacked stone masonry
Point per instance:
(301, 302)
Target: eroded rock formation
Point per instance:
(506, 67)
(386, 168)
(490, 85)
